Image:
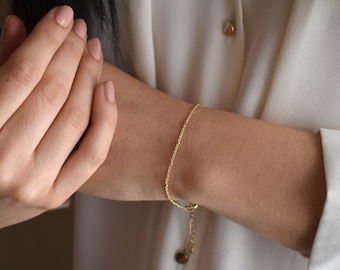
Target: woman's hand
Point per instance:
(47, 102)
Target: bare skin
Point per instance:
(266, 177)
(47, 101)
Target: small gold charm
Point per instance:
(182, 257)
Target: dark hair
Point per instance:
(98, 14)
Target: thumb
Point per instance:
(13, 35)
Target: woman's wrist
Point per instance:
(149, 122)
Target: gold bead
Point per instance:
(228, 28)
(182, 257)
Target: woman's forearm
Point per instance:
(266, 177)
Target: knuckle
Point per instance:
(23, 72)
(74, 47)
(90, 71)
(91, 67)
(26, 195)
(25, 188)
(77, 119)
(7, 178)
(51, 34)
(34, 197)
(110, 121)
(54, 91)
(9, 169)
(96, 158)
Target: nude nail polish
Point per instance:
(95, 48)
(80, 28)
(109, 91)
(63, 15)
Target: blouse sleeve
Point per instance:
(326, 248)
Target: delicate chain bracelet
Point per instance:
(183, 256)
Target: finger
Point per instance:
(31, 121)
(14, 33)
(93, 148)
(73, 119)
(26, 66)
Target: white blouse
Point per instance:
(281, 65)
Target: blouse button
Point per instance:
(228, 28)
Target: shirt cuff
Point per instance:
(326, 248)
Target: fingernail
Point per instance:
(80, 28)
(95, 48)
(109, 91)
(64, 15)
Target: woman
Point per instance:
(269, 178)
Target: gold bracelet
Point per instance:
(183, 255)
